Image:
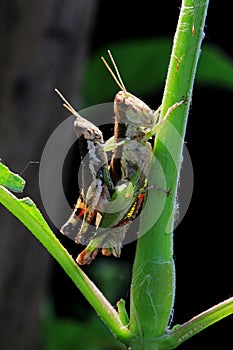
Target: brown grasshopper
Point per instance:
(123, 183)
(98, 192)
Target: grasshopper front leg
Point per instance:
(158, 121)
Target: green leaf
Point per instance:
(143, 67)
(10, 180)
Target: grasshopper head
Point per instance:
(132, 110)
(128, 108)
(83, 127)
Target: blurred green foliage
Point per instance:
(62, 334)
(143, 66)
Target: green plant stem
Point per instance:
(26, 211)
(153, 279)
(181, 333)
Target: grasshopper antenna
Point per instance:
(116, 77)
(27, 165)
(66, 104)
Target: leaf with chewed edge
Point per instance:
(10, 180)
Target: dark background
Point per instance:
(202, 242)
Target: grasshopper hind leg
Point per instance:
(110, 242)
(70, 228)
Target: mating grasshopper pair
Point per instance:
(117, 190)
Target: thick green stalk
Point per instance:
(153, 279)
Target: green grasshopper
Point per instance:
(116, 194)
